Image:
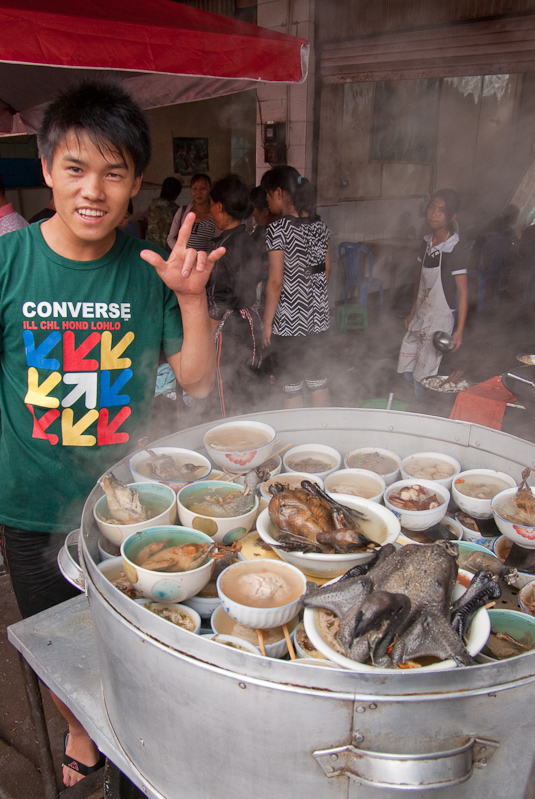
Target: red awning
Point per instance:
(164, 52)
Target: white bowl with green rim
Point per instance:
(221, 529)
(163, 586)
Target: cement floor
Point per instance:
(362, 365)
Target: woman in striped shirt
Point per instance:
(204, 228)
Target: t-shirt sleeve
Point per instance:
(458, 262)
(173, 332)
(274, 236)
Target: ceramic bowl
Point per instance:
(294, 459)
(113, 569)
(526, 598)
(158, 499)
(257, 442)
(165, 586)
(519, 534)
(520, 626)
(300, 637)
(221, 622)
(222, 529)
(465, 547)
(174, 614)
(363, 458)
(203, 605)
(263, 618)
(501, 547)
(233, 642)
(356, 482)
(106, 549)
(140, 472)
(473, 536)
(419, 519)
(434, 466)
(291, 479)
(448, 521)
(322, 565)
(478, 507)
(476, 640)
(322, 664)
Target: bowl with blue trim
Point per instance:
(161, 585)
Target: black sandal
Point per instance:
(75, 765)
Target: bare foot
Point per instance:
(80, 748)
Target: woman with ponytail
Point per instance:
(297, 317)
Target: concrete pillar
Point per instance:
(292, 104)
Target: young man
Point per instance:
(83, 319)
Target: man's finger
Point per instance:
(215, 255)
(152, 257)
(185, 231)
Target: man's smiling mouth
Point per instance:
(92, 212)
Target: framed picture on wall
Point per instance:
(190, 156)
(404, 121)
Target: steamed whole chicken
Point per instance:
(310, 520)
(399, 606)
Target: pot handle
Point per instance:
(69, 568)
(407, 772)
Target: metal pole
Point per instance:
(37, 714)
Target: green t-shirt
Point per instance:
(79, 349)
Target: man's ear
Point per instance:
(46, 173)
(136, 187)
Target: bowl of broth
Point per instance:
(434, 466)
(356, 483)
(274, 640)
(181, 615)
(383, 462)
(474, 489)
(261, 593)
(419, 504)
(315, 459)
(183, 566)
(158, 503)
(380, 526)
(512, 521)
(172, 466)
(218, 509)
(240, 446)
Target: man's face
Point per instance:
(91, 192)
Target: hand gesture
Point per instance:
(186, 271)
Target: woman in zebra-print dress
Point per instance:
(296, 317)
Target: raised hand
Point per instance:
(186, 271)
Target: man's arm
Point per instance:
(186, 272)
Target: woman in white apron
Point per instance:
(440, 287)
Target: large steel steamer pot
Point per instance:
(200, 721)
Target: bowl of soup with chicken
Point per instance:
(474, 489)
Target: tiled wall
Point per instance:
(292, 104)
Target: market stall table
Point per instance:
(58, 646)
